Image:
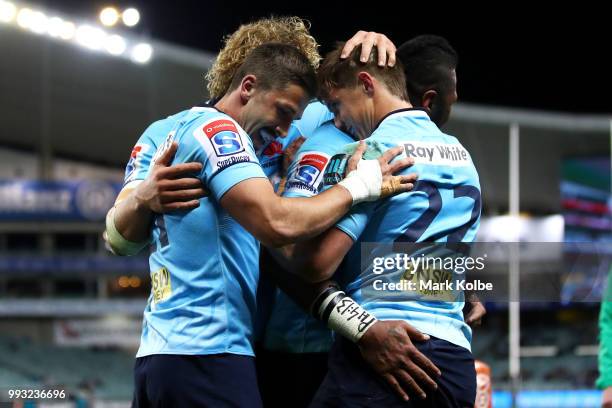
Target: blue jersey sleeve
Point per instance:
(306, 175)
(224, 149)
(314, 116)
(356, 220)
(142, 153)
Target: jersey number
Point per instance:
(415, 230)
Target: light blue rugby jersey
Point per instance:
(443, 207)
(204, 265)
(289, 328)
(146, 146)
(271, 155)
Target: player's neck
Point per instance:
(230, 106)
(387, 103)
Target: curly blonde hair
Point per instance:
(286, 30)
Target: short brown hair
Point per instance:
(276, 66)
(342, 73)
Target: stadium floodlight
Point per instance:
(39, 22)
(8, 11)
(130, 17)
(90, 37)
(115, 44)
(67, 30)
(109, 16)
(24, 17)
(55, 26)
(142, 53)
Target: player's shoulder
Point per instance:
(204, 125)
(313, 116)
(164, 125)
(410, 123)
(326, 138)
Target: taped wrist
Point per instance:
(118, 244)
(342, 314)
(365, 182)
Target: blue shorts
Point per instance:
(350, 382)
(217, 380)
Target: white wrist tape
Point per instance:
(118, 244)
(344, 316)
(364, 183)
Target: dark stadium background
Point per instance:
(511, 53)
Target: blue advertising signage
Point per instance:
(56, 200)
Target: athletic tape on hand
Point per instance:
(118, 244)
(365, 182)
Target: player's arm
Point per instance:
(276, 221)
(387, 346)
(167, 188)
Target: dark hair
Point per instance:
(428, 61)
(276, 66)
(342, 73)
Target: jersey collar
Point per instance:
(414, 112)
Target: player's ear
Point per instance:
(247, 87)
(428, 99)
(366, 82)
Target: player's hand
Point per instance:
(169, 188)
(289, 154)
(387, 347)
(606, 400)
(476, 312)
(390, 184)
(369, 39)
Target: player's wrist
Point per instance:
(118, 244)
(342, 314)
(140, 204)
(365, 182)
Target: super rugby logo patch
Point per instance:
(310, 167)
(308, 173)
(224, 137)
(225, 143)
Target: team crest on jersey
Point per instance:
(334, 173)
(134, 162)
(224, 137)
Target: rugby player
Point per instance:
(294, 340)
(444, 206)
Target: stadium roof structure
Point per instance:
(59, 100)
